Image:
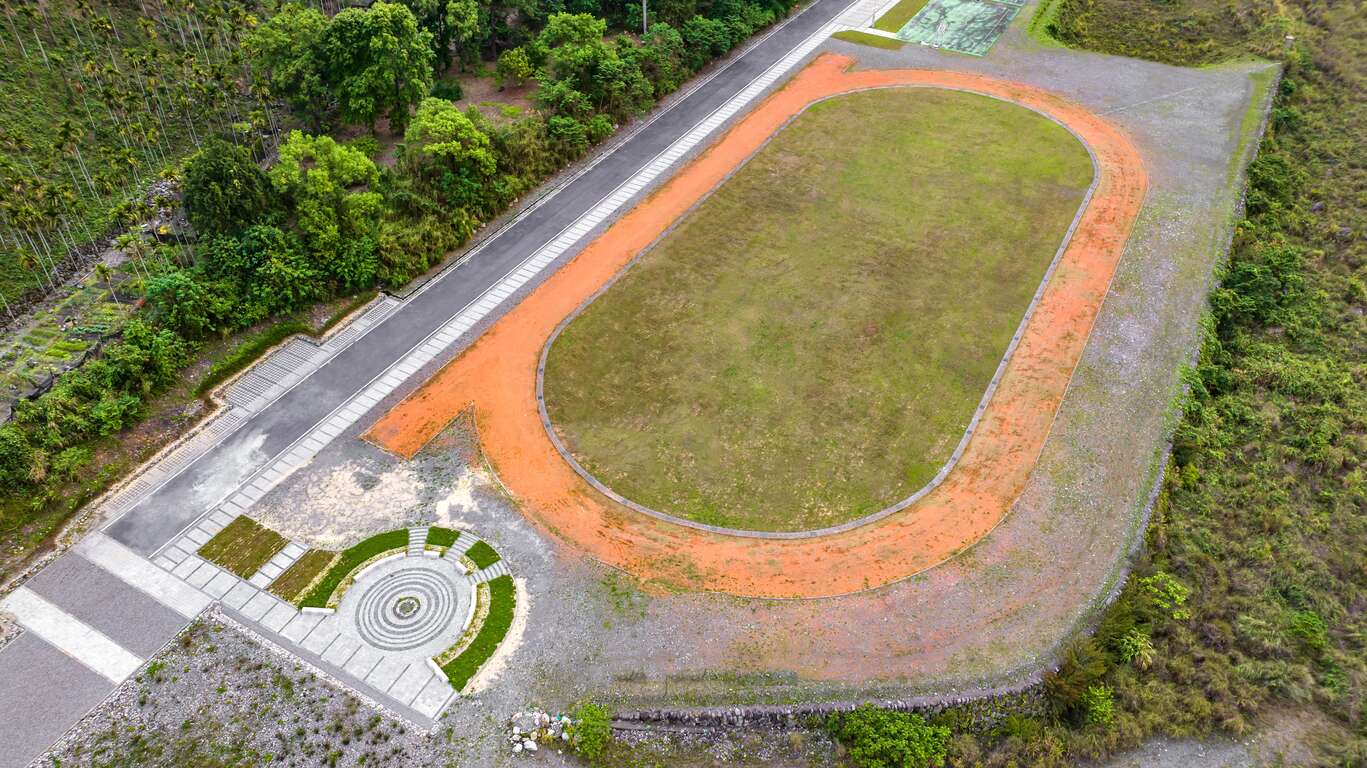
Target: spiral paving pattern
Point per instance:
(384, 623)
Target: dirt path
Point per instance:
(497, 375)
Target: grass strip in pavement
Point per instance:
(351, 559)
(482, 554)
(243, 546)
(864, 38)
(502, 604)
(441, 537)
(898, 15)
(302, 573)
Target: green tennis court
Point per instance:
(963, 26)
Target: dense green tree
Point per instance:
(377, 63)
(183, 303)
(454, 24)
(224, 190)
(704, 40)
(329, 186)
(285, 53)
(453, 156)
(514, 67)
(578, 61)
(664, 58)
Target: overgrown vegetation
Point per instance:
(349, 560)
(864, 38)
(592, 730)
(898, 15)
(247, 353)
(1248, 597)
(97, 101)
(243, 546)
(329, 218)
(502, 605)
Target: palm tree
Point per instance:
(104, 273)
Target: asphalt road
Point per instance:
(179, 502)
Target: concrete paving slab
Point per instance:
(387, 672)
(259, 606)
(187, 567)
(73, 636)
(433, 696)
(363, 662)
(340, 650)
(221, 584)
(31, 719)
(411, 683)
(92, 595)
(323, 639)
(239, 595)
(202, 575)
(276, 619)
(300, 626)
(134, 569)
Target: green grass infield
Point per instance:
(809, 344)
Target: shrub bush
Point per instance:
(592, 729)
(878, 738)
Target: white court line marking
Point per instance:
(72, 636)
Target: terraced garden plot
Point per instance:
(809, 345)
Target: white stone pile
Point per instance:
(534, 729)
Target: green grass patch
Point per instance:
(1043, 26)
(302, 573)
(864, 38)
(809, 345)
(482, 554)
(351, 559)
(441, 537)
(243, 546)
(898, 15)
(502, 603)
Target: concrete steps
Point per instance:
(417, 540)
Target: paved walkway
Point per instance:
(94, 616)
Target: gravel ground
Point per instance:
(216, 697)
(994, 614)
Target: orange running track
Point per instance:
(497, 377)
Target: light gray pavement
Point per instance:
(108, 604)
(1182, 120)
(43, 691)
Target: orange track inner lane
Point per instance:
(497, 376)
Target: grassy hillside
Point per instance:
(1247, 608)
